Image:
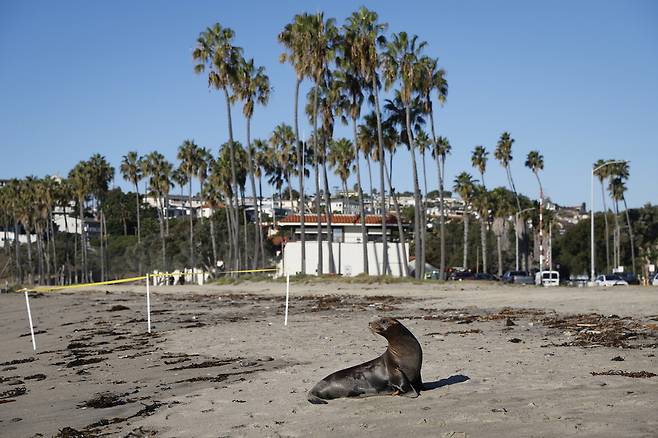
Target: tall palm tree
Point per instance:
(503, 154)
(322, 41)
(132, 171)
(189, 156)
(295, 38)
(423, 142)
(535, 162)
(215, 51)
(350, 84)
(479, 161)
(441, 149)
(101, 175)
(401, 59)
(253, 87)
(365, 33)
(464, 185)
(620, 172)
(431, 79)
(602, 173)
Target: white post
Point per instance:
(29, 317)
(591, 233)
(148, 304)
(285, 319)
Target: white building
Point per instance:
(347, 246)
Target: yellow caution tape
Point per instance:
(131, 279)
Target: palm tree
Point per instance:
(295, 38)
(364, 34)
(503, 154)
(321, 45)
(479, 161)
(189, 156)
(284, 153)
(441, 149)
(602, 173)
(481, 203)
(464, 185)
(350, 85)
(620, 172)
(502, 203)
(80, 180)
(215, 51)
(400, 63)
(160, 172)
(101, 175)
(253, 88)
(535, 162)
(431, 78)
(341, 158)
(132, 171)
(423, 142)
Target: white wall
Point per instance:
(347, 258)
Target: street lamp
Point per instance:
(591, 212)
(516, 233)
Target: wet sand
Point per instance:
(498, 361)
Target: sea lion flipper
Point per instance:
(315, 399)
(401, 383)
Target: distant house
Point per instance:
(346, 245)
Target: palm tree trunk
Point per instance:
(617, 237)
(213, 240)
(258, 236)
(189, 197)
(405, 260)
(465, 261)
(483, 241)
(364, 231)
(234, 184)
(244, 231)
(382, 171)
(231, 240)
(372, 188)
(161, 213)
(316, 167)
(139, 227)
(420, 263)
(54, 240)
(330, 231)
(260, 215)
(30, 276)
(423, 246)
(83, 239)
(442, 226)
(607, 229)
(300, 164)
(17, 254)
(500, 255)
(630, 234)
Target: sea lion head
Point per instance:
(385, 326)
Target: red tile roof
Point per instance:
(351, 219)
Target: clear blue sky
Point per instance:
(577, 80)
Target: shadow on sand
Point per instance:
(457, 378)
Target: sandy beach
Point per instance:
(498, 361)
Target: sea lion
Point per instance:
(396, 372)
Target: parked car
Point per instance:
(517, 277)
(629, 277)
(461, 275)
(485, 276)
(610, 280)
(654, 281)
(547, 278)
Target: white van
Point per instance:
(547, 278)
